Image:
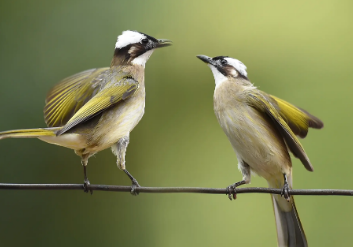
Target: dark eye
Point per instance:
(144, 41)
(223, 62)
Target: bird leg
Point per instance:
(245, 170)
(120, 150)
(86, 183)
(134, 185)
(285, 189)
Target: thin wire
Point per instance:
(117, 188)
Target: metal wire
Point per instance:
(117, 188)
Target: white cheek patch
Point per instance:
(127, 38)
(132, 49)
(218, 76)
(239, 66)
(142, 59)
(234, 73)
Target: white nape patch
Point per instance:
(142, 59)
(218, 76)
(239, 66)
(127, 38)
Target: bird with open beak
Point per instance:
(98, 108)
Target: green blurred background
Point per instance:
(300, 51)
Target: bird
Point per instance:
(98, 108)
(262, 129)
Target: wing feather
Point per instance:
(108, 96)
(69, 95)
(263, 103)
(298, 119)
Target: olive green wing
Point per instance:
(111, 94)
(298, 119)
(263, 103)
(69, 95)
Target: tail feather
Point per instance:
(290, 231)
(28, 133)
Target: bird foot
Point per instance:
(87, 186)
(134, 185)
(285, 192)
(232, 190)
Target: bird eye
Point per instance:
(144, 41)
(223, 62)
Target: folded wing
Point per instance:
(265, 104)
(298, 119)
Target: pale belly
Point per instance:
(255, 141)
(117, 123)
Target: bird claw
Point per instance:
(86, 186)
(285, 192)
(231, 191)
(134, 185)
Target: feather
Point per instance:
(69, 95)
(108, 96)
(262, 103)
(298, 119)
(84, 95)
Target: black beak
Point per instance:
(163, 43)
(206, 59)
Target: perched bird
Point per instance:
(98, 108)
(262, 129)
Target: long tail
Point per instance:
(28, 133)
(290, 232)
(69, 140)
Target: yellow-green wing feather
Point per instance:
(69, 95)
(113, 92)
(298, 119)
(262, 103)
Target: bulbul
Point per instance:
(98, 108)
(262, 130)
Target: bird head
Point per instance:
(224, 67)
(135, 48)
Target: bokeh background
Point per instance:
(300, 51)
